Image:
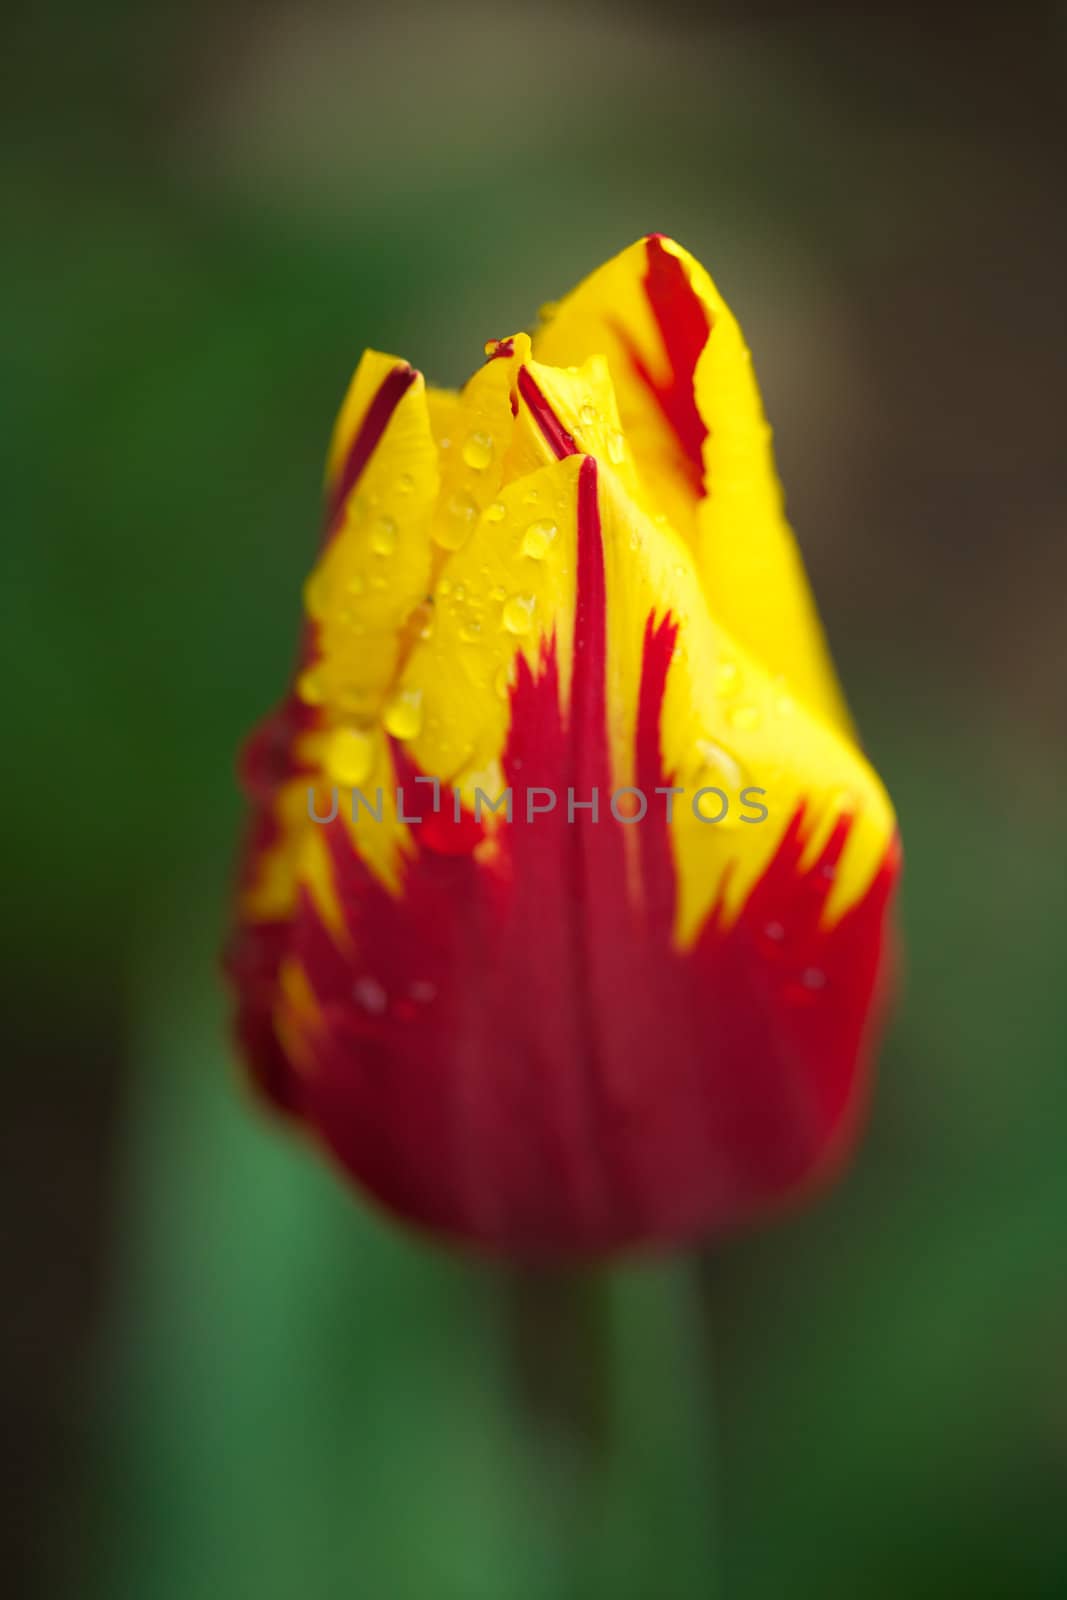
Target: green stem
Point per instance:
(559, 1326)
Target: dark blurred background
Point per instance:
(220, 1376)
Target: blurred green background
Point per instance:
(221, 1376)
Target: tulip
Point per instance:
(562, 917)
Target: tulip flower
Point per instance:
(562, 919)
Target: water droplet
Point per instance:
(445, 587)
(724, 768)
(349, 756)
(722, 771)
(502, 682)
(309, 687)
(370, 995)
(774, 932)
(402, 716)
(405, 483)
(355, 584)
(517, 615)
(587, 415)
(537, 538)
(497, 593)
(355, 511)
(727, 678)
(745, 717)
(803, 990)
(470, 630)
(423, 991)
(478, 451)
(616, 447)
(421, 619)
(383, 537)
(454, 528)
(496, 511)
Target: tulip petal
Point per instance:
(374, 569)
(691, 412)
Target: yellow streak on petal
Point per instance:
(726, 723)
(493, 602)
(375, 569)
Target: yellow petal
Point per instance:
(506, 592)
(726, 724)
(375, 566)
(691, 411)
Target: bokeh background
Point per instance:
(222, 1377)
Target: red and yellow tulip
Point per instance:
(574, 1025)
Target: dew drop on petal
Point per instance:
(453, 529)
(495, 512)
(383, 537)
(806, 988)
(478, 451)
(502, 682)
(349, 756)
(370, 996)
(587, 415)
(537, 538)
(517, 615)
(402, 716)
(721, 770)
(616, 447)
(718, 763)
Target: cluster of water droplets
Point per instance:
(375, 1000)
